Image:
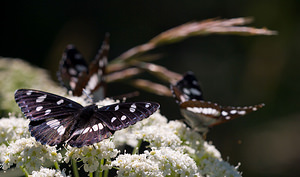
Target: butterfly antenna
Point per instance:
(87, 95)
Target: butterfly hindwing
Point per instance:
(89, 131)
(51, 131)
(207, 114)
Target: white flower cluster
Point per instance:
(161, 162)
(30, 154)
(91, 155)
(46, 172)
(174, 149)
(11, 129)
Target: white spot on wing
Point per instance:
(227, 117)
(86, 130)
(132, 108)
(81, 68)
(186, 91)
(195, 91)
(77, 132)
(224, 113)
(117, 108)
(95, 127)
(100, 126)
(59, 102)
(39, 108)
(194, 82)
(233, 112)
(29, 92)
(123, 117)
(113, 119)
(72, 71)
(93, 82)
(41, 98)
(54, 123)
(147, 105)
(61, 130)
(47, 112)
(206, 111)
(242, 112)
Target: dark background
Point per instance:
(233, 70)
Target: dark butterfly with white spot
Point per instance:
(55, 119)
(75, 74)
(200, 114)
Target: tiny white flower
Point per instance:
(46, 172)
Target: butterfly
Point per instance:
(75, 74)
(56, 120)
(200, 114)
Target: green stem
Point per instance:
(56, 165)
(75, 168)
(106, 173)
(136, 149)
(24, 171)
(91, 174)
(99, 172)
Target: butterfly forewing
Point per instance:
(38, 105)
(187, 89)
(72, 66)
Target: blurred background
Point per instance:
(232, 70)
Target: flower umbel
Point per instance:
(30, 154)
(91, 155)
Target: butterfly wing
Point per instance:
(95, 77)
(202, 114)
(101, 123)
(72, 67)
(51, 115)
(187, 89)
(119, 116)
(89, 129)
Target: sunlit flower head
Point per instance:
(30, 154)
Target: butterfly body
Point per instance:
(200, 114)
(56, 120)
